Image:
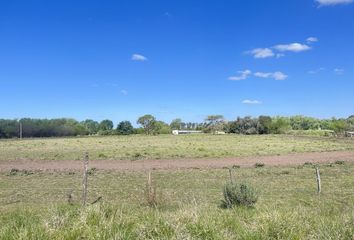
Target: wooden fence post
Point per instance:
(20, 130)
(84, 182)
(231, 175)
(318, 177)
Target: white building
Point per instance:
(178, 132)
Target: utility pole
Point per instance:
(20, 130)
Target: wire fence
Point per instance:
(43, 188)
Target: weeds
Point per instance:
(339, 162)
(24, 172)
(239, 194)
(259, 165)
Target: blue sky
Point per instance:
(122, 59)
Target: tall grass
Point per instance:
(35, 206)
(187, 222)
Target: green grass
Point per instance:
(33, 205)
(166, 146)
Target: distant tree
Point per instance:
(264, 124)
(246, 125)
(91, 126)
(125, 128)
(9, 128)
(338, 125)
(304, 123)
(280, 125)
(213, 119)
(106, 125)
(148, 123)
(176, 124)
(214, 123)
(161, 127)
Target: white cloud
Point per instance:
(279, 76)
(247, 101)
(311, 40)
(138, 57)
(262, 53)
(124, 92)
(332, 2)
(292, 47)
(316, 70)
(276, 75)
(338, 71)
(279, 50)
(263, 74)
(242, 75)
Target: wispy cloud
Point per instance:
(333, 2)
(261, 53)
(279, 76)
(311, 40)
(292, 47)
(338, 71)
(139, 57)
(247, 101)
(242, 75)
(124, 92)
(279, 50)
(316, 70)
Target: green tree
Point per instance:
(161, 127)
(106, 125)
(280, 125)
(91, 126)
(148, 123)
(125, 128)
(264, 124)
(338, 125)
(214, 123)
(176, 124)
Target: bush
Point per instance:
(259, 165)
(239, 195)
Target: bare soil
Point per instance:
(138, 165)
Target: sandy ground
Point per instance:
(137, 165)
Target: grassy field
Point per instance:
(33, 205)
(166, 146)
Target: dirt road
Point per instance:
(137, 165)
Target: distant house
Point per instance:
(178, 132)
(350, 134)
(220, 132)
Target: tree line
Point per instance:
(148, 124)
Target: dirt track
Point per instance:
(121, 165)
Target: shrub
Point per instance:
(239, 194)
(259, 165)
(340, 162)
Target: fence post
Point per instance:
(84, 183)
(231, 175)
(318, 177)
(21, 130)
